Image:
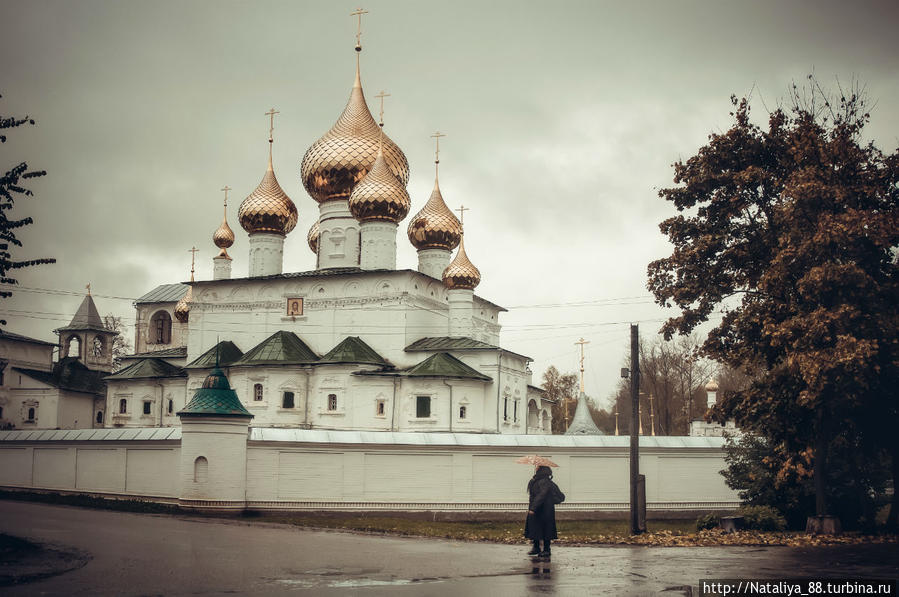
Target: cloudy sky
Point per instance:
(562, 121)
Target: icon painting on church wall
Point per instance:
(294, 307)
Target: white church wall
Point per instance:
(136, 392)
(75, 410)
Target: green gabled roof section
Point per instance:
(225, 353)
(448, 343)
(215, 398)
(443, 364)
(353, 350)
(69, 374)
(148, 369)
(179, 352)
(281, 348)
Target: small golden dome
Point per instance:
(379, 196)
(224, 236)
(712, 386)
(182, 308)
(313, 236)
(343, 156)
(268, 208)
(461, 273)
(435, 226)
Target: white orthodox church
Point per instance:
(357, 343)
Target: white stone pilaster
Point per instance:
(461, 303)
(378, 245)
(338, 243)
(221, 268)
(266, 254)
(432, 262)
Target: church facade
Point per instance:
(357, 343)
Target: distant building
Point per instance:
(37, 393)
(701, 428)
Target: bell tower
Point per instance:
(86, 338)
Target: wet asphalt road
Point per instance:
(143, 554)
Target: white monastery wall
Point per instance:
(76, 410)
(135, 392)
(351, 470)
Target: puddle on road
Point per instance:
(320, 581)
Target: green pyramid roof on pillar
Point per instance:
(215, 398)
(225, 353)
(281, 348)
(443, 364)
(353, 350)
(582, 422)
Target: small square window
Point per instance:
(287, 400)
(146, 408)
(332, 401)
(257, 392)
(422, 407)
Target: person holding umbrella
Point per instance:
(543, 496)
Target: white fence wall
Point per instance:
(342, 470)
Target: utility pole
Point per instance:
(636, 526)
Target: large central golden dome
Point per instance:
(345, 154)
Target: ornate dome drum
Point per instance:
(334, 164)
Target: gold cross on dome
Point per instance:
(271, 127)
(381, 97)
(358, 13)
(193, 253)
(581, 343)
(226, 188)
(462, 209)
(436, 137)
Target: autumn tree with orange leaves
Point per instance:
(789, 233)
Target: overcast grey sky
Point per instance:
(562, 121)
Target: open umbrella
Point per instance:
(535, 460)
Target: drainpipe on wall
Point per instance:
(450, 405)
(161, 400)
(306, 401)
(499, 362)
(393, 405)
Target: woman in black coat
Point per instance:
(541, 522)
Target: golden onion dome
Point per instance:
(182, 308)
(268, 208)
(224, 236)
(461, 272)
(380, 197)
(435, 226)
(313, 236)
(334, 164)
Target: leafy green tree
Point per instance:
(789, 233)
(10, 189)
(562, 388)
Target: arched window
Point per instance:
(201, 469)
(73, 347)
(332, 401)
(31, 414)
(463, 412)
(123, 406)
(160, 328)
(171, 406)
(99, 417)
(257, 392)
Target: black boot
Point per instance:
(535, 550)
(546, 549)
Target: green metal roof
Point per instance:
(443, 364)
(447, 343)
(215, 398)
(179, 352)
(69, 374)
(281, 348)
(165, 293)
(86, 318)
(147, 369)
(353, 350)
(225, 353)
